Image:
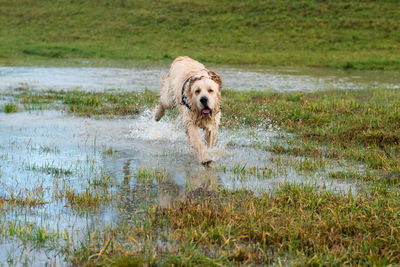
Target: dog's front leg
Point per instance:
(195, 141)
(160, 112)
(211, 137)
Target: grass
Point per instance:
(340, 34)
(50, 170)
(25, 198)
(10, 108)
(87, 199)
(361, 125)
(297, 225)
(148, 176)
(31, 233)
(89, 104)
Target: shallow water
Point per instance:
(32, 144)
(139, 78)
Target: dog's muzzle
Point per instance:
(206, 110)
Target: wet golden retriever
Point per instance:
(196, 92)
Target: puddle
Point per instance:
(135, 79)
(46, 154)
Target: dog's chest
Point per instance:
(205, 123)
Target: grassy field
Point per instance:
(339, 34)
(297, 224)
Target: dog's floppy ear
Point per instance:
(192, 80)
(216, 78)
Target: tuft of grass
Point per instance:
(50, 170)
(110, 151)
(146, 175)
(244, 171)
(25, 198)
(37, 235)
(88, 198)
(10, 108)
(103, 180)
(49, 149)
(350, 174)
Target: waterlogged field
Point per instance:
(306, 169)
(89, 178)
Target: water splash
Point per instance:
(144, 127)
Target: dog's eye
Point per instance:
(210, 90)
(197, 91)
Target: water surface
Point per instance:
(139, 78)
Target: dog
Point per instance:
(196, 92)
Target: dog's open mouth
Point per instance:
(206, 112)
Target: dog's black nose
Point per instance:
(203, 100)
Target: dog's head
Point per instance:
(205, 93)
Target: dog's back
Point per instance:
(171, 84)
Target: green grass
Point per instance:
(148, 176)
(10, 108)
(50, 170)
(90, 104)
(340, 34)
(88, 199)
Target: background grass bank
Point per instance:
(342, 34)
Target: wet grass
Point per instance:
(148, 176)
(244, 171)
(56, 171)
(29, 232)
(25, 198)
(361, 125)
(89, 104)
(10, 108)
(87, 199)
(103, 180)
(341, 34)
(297, 225)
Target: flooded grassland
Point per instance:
(297, 178)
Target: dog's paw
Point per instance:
(160, 113)
(205, 161)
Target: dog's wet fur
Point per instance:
(203, 92)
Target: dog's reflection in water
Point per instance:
(136, 195)
(202, 183)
